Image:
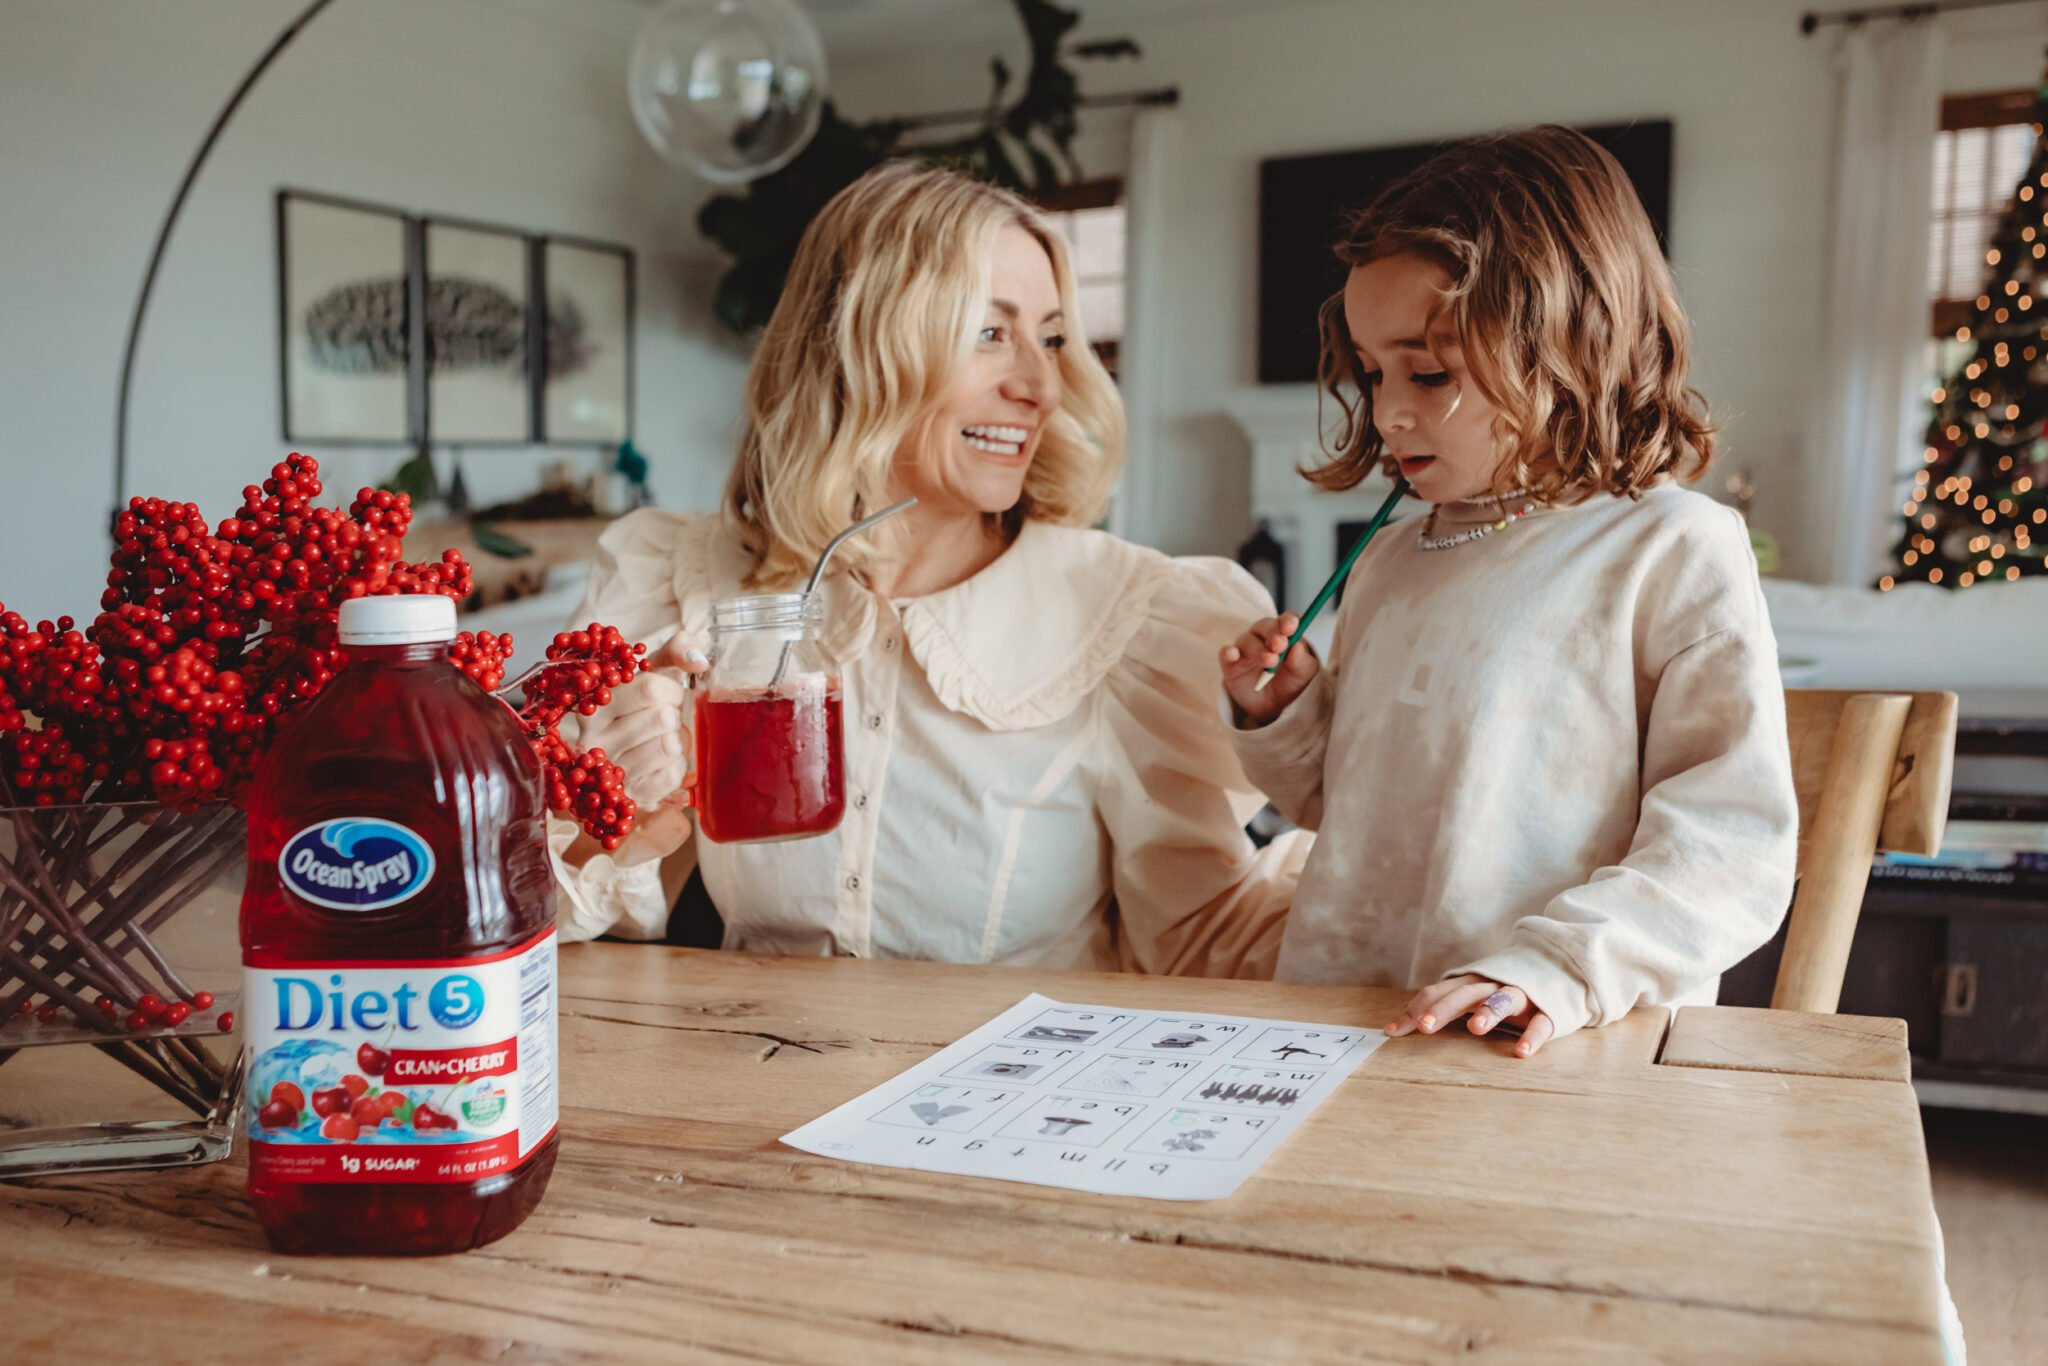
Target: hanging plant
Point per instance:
(1025, 145)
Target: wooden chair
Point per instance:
(1872, 771)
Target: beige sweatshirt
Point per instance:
(1554, 756)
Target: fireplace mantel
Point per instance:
(1280, 422)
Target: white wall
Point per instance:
(1753, 105)
(512, 111)
(507, 111)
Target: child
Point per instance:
(1547, 756)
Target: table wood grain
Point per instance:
(1748, 1039)
(1449, 1202)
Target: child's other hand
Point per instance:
(1491, 1003)
(1257, 650)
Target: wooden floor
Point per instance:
(1991, 1191)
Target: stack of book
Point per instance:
(1992, 845)
(1996, 843)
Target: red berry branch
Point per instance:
(578, 675)
(210, 636)
(208, 639)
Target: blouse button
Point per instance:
(875, 721)
(860, 801)
(889, 643)
(853, 882)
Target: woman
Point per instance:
(1036, 768)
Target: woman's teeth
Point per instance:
(997, 440)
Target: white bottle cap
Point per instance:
(400, 619)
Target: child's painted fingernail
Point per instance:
(696, 657)
(1428, 1023)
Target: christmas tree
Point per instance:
(1978, 511)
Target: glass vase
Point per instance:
(119, 986)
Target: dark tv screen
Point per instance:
(1303, 201)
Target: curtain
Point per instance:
(1141, 360)
(1869, 412)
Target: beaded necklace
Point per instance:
(1427, 541)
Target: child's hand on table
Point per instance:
(1258, 650)
(1491, 1003)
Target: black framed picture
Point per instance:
(477, 302)
(396, 329)
(587, 372)
(345, 321)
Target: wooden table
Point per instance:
(1594, 1204)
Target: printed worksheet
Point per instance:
(1100, 1098)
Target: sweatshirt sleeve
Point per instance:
(1708, 875)
(1284, 758)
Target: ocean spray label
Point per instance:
(356, 863)
(406, 1071)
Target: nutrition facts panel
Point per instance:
(1100, 1098)
(539, 1101)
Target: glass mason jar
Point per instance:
(768, 761)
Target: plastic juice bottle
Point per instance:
(398, 950)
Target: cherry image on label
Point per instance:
(768, 764)
(399, 903)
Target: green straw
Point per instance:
(1379, 519)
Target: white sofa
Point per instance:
(1992, 638)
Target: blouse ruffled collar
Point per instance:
(1024, 641)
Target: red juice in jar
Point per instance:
(399, 956)
(768, 763)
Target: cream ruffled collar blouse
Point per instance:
(1036, 771)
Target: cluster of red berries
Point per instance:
(209, 636)
(577, 677)
(482, 656)
(582, 669)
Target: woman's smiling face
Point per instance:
(973, 453)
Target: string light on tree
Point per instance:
(1970, 514)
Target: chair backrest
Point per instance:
(1872, 771)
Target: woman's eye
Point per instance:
(1055, 342)
(992, 336)
(1433, 381)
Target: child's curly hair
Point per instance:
(1563, 304)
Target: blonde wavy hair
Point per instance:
(1563, 304)
(883, 304)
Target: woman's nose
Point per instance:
(1034, 378)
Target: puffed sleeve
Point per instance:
(1194, 895)
(650, 578)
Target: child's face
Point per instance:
(1432, 418)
